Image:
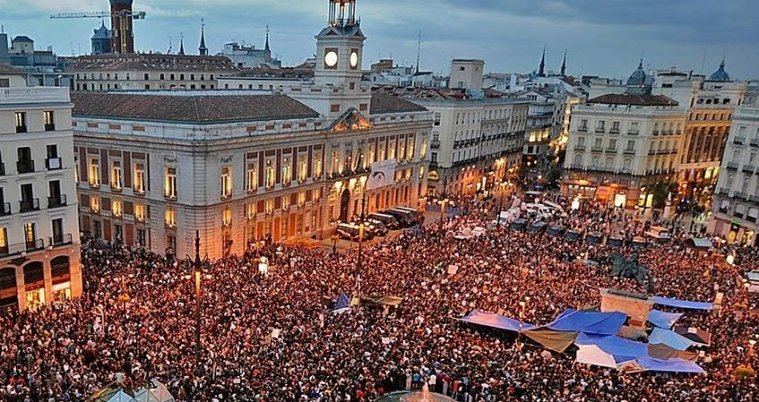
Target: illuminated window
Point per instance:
(139, 178)
(94, 173)
(424, 148)
(391, 151)
(285, 202)
(335, 163)
(250, 210)
(226, 217)
(171, 218)
(302, 170)
(4, 240)
(269, 206)
(286, 171)
(170, 183)
(139, 212)
(95, 204)
(116, 175)
(116, 208)
(226, 182)
(252, 177)
(318, 167)
(270, 176)
(301, 198)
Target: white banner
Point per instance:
(383, 174)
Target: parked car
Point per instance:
(537, 227)
(659, 233)
(405, 218)
(556, 231)
(519, 225)
(595, 238)
(572, 235)
(388, 220)
(376, 227)
(615, 241)
(351, 231)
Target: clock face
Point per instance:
(330, 59)
(354, 59)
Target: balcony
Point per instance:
(29, 205)
(21, 129)
(655, 132)
(35, 245)
(614, 131)
(20, 248)
(54, 163)
(741, 195)
(56, 201)
(629, 152)
(633, 132)
(435, 144)
(579, 147)
(753, 198)
(723, 191)
(5, 209)
(611, 150)
(582, 129)
(26, 166)
(749, 168)
(50, 127)
(60, 240)
(138, 190)
(754, 142)
(739, 140)
(597, 149)
(600, 130)
(732, 165)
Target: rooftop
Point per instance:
(152, 62)
(195, 108)
(383, 102)
(634, 100)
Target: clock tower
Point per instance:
(339, 47)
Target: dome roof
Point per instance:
(720, 75)
(638, 77)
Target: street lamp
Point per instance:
(361, 229)
(197, 276)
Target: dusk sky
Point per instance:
(603, 37)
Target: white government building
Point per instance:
(241, 167)
(39, 231)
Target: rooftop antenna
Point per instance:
(703, 61)
(418, 50)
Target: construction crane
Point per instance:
(100, 14)
(121, 25)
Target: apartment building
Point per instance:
(39, 232)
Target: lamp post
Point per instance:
(197, 276)
(443, 200)
(361, 229)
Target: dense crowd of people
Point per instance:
(273, 337)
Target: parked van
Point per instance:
(389, 220)
(351, 231)
(405, 217)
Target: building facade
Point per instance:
(39, 232)
(242, 167)
(620, 145)
(476, 143)
(108, 72)
(736, 204)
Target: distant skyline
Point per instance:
(605, 38)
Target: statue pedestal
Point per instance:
(637, 306)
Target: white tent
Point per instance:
(595, 356)
(115, 392)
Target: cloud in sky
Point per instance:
(604, 37)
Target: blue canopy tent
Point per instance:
(492, 320)
(662, 319)
(691, 305)
(589, 322)
(674, 365)
(342, 303)
(669, 338)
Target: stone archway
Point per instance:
(60, 269)
(345, 200)
(34, 275)
(8, 291)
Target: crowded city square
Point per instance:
(273, 333)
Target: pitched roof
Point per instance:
(195, 109)
(152, 62)
(634, 100)
(383, 102)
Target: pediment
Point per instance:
(353, 120)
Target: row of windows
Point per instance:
(31, 242)
(20, 121)
(101, 87)
(709, 116)
(25, 162)
(146, 76)
(27, 201)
